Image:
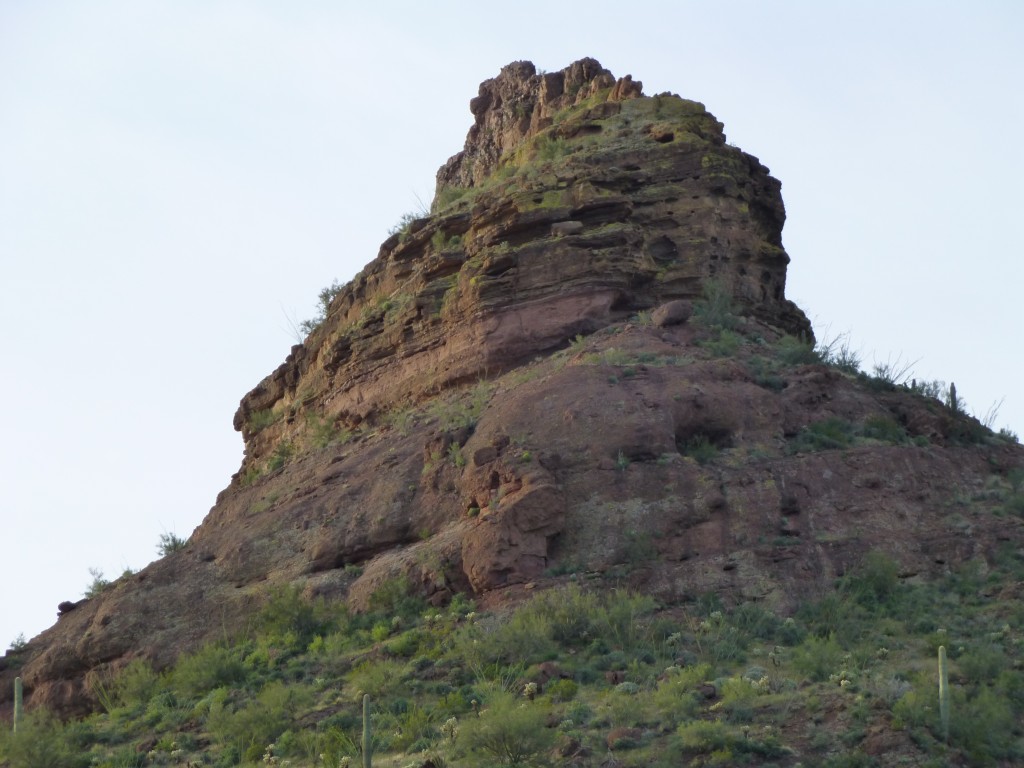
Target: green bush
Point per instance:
(855, 759)
(818, 657)
(756, 622)
(260, 420)
(725, 344)
(715, 310)
(136, 683)
(829, 434)
(982, 725)
(169, 542)
(510, 731)
(98, 583)
(794, 351)
(675, 699)
(213, 666)
(379, 678)
(701, 449)
(836, 353)
(258, 723)
(885, 429)
(562, 690)
(291, 619)
(41, 742)
(282, 454)
(875, 583)
(721, 740)
(983, 663)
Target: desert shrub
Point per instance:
(638, 547)
(675, 698)
(568, 617)
(721, 740)
(918, 707)
(818, 657)
(855, 759)
(281, 455)
(725, 344)
(136, 683)
(408, 644)
(715, 310)
(503, 640)
(884, 428)
(290, 618)
(258, 723)
(754, 621)
(719, 641)
(551, 147)
(765, 374)
(323, 431)
(166, 710)
(411, 729)
(324, 299)
(404, 223)
(1015, 477)
(464, 412)
(169, 542)
(377, 678)
(396, 597)
(982, 725)
(260, 420)
(738, 694)
(562, 690)
(1010, 684)
(983, 662)
(794, 351)
(570, 613)
(875, 583)
(836, 353)
(621, 620)
(701, 449)
(41, 742)
(98, 583)
(829, 434)
(213, 666)
(891, 373)
(934, 389)
(510, 731)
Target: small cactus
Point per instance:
(943, 693)
(17, 703)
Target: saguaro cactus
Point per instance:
(367, 735)
(17, 703)
(943, 693)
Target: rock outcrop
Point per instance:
(516, 388)
(574, 204)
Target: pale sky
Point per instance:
(178, 180)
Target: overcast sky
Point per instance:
(178, 180)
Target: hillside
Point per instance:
(578, 372)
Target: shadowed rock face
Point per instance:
(440, 425)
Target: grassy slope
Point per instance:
(692, 684)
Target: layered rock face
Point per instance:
(514, 391)
(575, 203)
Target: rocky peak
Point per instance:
(512, 389)
(576, 202)
(518, 104)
